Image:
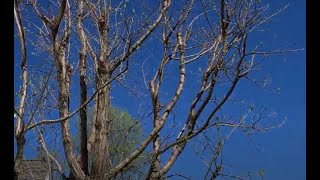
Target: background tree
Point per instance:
(182, 60)
(125, 135)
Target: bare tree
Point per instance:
(204, 43)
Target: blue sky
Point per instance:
(283, 154)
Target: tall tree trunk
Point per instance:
(20, 131)
(101, 127)
(83, 91)
(64, 73)
(83, 117)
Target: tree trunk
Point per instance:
(155, 164)
(19, 156)
(101, 127)
(83, 92)
(63, 74)
(83, 117)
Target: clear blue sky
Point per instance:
(283, 154)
